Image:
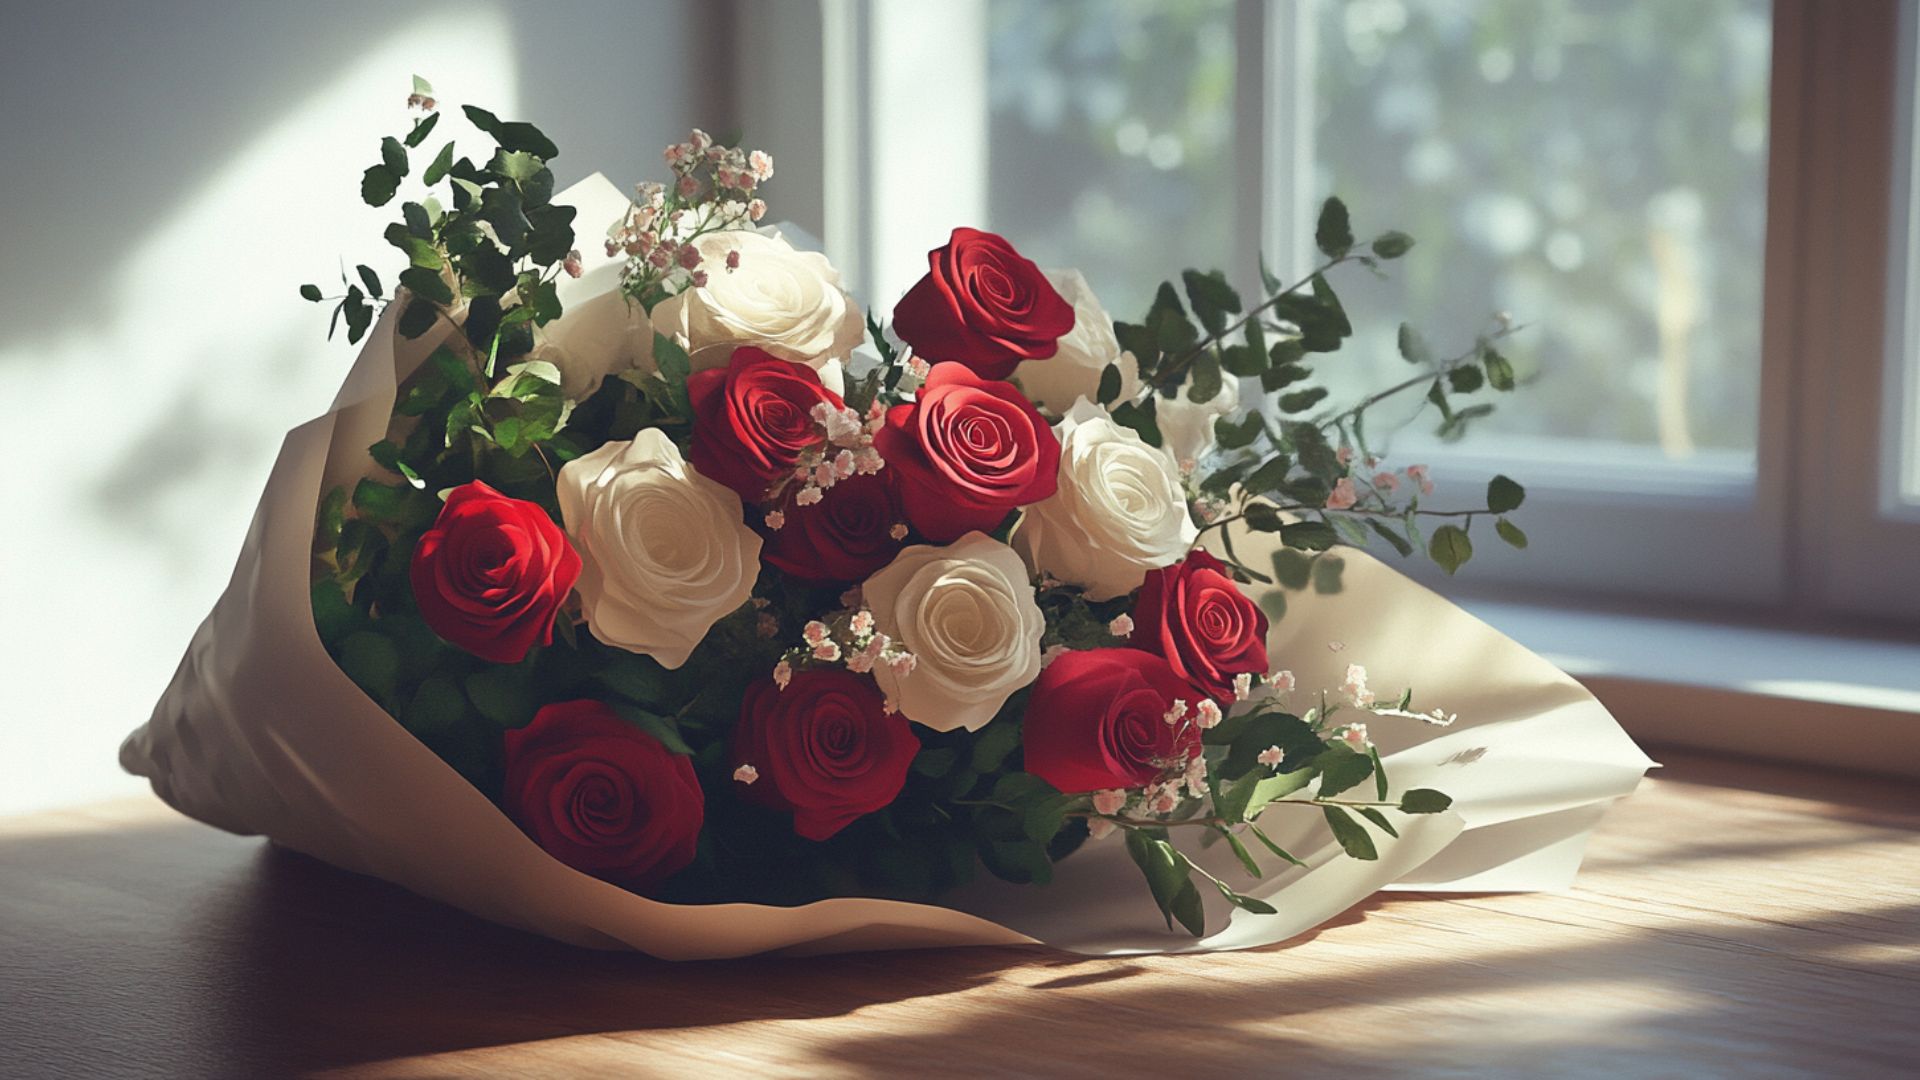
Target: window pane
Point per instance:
(1111, 138)
(1595, 167)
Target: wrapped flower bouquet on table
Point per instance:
(644, 590)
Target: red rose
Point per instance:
(984, 305)
(603, 796)
(1098, 720)
(844, 537)
(824, 748)
(1194, 614)
(967, 451)
(492, 572)
(753, 418)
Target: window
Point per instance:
(1692, 203)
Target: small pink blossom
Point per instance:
(1207, 714)
(898, 532)
(761, 163)
(1100, 828)
(1166, 802)
(824, 475)
(572, 265)
(918, 367)
(1356, 685)
(1355, 736)
(1343, 494)
(815, 632)
(1242, 686)
(1175, 712)
(868, 461)
(733, 259)
(901, 664)
(807, 496)
(1419, 474)
(688, 256)
(699, 141)
(827, 650)
(746, 774)
(1270, 757)
(861, 623)
(1121, 626)
(782, 674)
(688, 187)
(1386, 481)
(776, 520)
(757, 209)
(1281, 680)
(843, 464)
(1109, 801)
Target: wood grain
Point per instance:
(1733, 919)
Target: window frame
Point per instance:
(1811, 533)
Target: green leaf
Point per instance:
(1373, 752)
(1022, 862)
(993, 743)
(1464, 379)
(1392, 244)
(935, 761)
(1308, 535)
(417, 318)
(333, 616)
(503, 694)
(1301, 400)
(1499, 370)
(310, 292)
(437, 706)
(1267, 280)
(1333, 234)
(419, 250)
(1511, 533)
(1203, 379)
(1246, 859)
(437, 169)
(1238, 434)
(1044, 819)
(1283, 376)
(372, 662)
(393, 156)
(422, 128)
(1212, 298)
(1170, 880)
(1109, 391)
(1351, 834)
(1450, 547)
(1341, 770)
(1379, 820)
(422, 87)
(1261, 517)
(1387, 533)
(1278, 851)
(1413, 347)
(1424, 801)
(1141, 418)
(426, 284)
(636, 678)
(371, 280)
(660, 727)
(1504, 495)
(1243, 361)
(512, 135)
(378, 184)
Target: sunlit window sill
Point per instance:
(1827, 699)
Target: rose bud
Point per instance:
(491, 573)
(1195, 616)
(984, 305)
(825, 748)
(603, 796)
(1097, 720)
(967, 451)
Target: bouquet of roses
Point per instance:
(723, 590)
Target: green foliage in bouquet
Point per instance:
(486, 249)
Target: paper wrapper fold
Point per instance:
(260, 733)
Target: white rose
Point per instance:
(664, 551)
(1120, 510)
(1186, 427)
(1073, 372)
(786, 301)
(966, 613)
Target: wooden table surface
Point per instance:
(1732, 919)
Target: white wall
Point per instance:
(172, 172)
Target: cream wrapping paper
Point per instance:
(261, 734)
